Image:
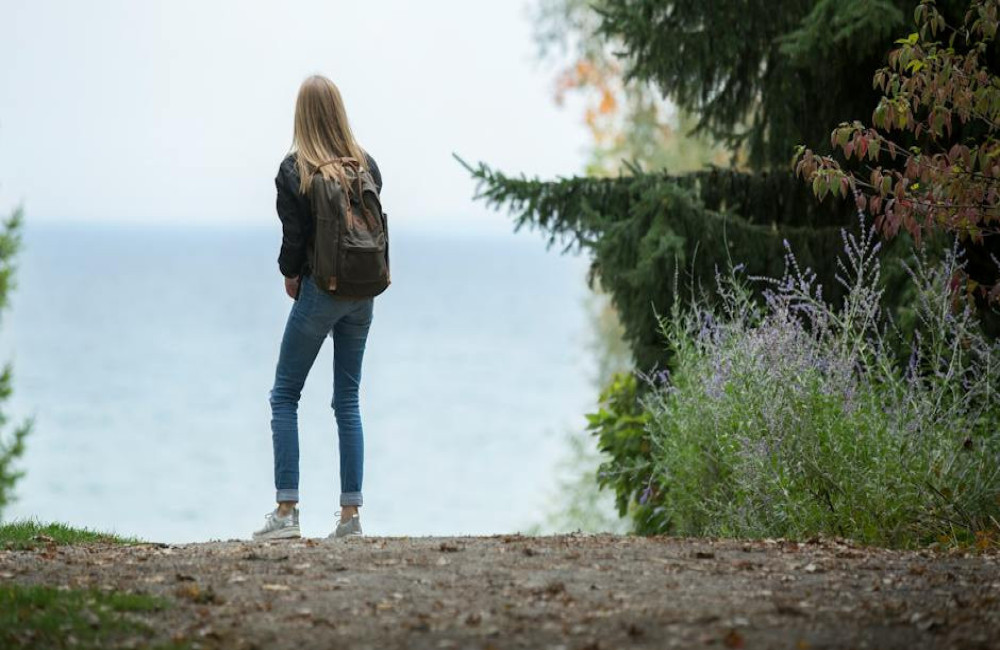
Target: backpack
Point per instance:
(349, 255)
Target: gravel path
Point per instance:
(572, 592)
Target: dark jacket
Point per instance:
(296, 216)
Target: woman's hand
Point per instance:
(292, 286)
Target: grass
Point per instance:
(27, 534)
(42, 617)
(47, 617)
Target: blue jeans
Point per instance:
(315, 315)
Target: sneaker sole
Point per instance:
(284, 533)
(347, 536)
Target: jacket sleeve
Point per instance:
(376, 174)
(292, 257)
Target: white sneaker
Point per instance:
(349, 528)
(276, 527)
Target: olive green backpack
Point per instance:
(349, 255)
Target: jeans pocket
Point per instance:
(307, 294)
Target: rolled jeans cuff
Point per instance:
(287, 495)
(350, 499)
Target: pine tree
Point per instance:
(762, 76)
(644, 229)
(12, 447)
(770, 74)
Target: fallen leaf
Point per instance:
(191, 591)
(733, 639)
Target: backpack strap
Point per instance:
(345, 161)
(355, 165)
(324, 164)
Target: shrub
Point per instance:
(929, 162)
(792, 417)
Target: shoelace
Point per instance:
(342, 523)
(273, 515)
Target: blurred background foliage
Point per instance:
(12, 442)
(629, 121)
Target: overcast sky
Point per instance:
(180, 110)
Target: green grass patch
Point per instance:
(28, 533)
(47, 617)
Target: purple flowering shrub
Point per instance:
(793, 417)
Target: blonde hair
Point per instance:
(322, 133)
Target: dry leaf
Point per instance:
(733, 639)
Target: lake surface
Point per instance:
(146, 355)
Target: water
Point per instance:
(146, 356)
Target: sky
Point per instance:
(180, 111)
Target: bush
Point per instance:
(791, 417)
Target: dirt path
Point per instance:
(572, 592)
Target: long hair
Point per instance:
(322, 133)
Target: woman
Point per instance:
(321, 133)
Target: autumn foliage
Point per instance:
(930, 162)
